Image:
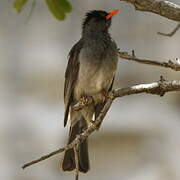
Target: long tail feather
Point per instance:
(68, 163)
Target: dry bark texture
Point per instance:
(164, 8)
(167, 64)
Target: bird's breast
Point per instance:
(95, 74)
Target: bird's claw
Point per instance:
(105, 95)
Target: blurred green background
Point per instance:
(139, 138)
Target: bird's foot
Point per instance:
(91, 123)
(84, 101)
(87, 99)
(105, 95)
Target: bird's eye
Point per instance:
(103, 15)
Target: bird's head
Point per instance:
(98, 20)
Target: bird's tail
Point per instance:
(68, 163)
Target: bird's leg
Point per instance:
(105, 95)
(84, 101)
(87, 99)
(88, 111)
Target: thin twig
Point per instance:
(170, 64)
(172, 32)
(76, 152)
(47, 156)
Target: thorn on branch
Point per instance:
(161, 91)
(133, 54)
(170, 62)
(162, 79)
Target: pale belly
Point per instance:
(93, 79)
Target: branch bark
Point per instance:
(79, 139)
(169, 64)
(76, 152)
(163, 8)
(158, 88)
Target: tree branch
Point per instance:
(76, 152)
(159, 88)
(170, 64)
(79, 139)
(171, 33)
(163, 8)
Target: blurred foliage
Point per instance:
(58, 8)
(18, 4)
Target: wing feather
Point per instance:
(71, 75)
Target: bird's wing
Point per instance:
(111, 84)
(71, 75)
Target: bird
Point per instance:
(90, 70)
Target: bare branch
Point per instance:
(79, 139)
(163, 8)
(159, 88)
(69, 146)
(76, 152)
(171, 33)
(170, 64)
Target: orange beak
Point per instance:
(112, 13)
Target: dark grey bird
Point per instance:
(91, 69)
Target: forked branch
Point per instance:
(158, 88)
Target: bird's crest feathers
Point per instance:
(99, 14)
